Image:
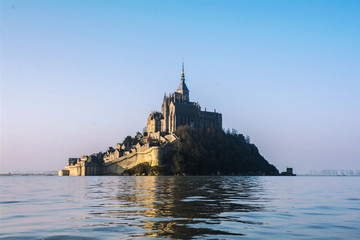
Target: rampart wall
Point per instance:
(152, 155)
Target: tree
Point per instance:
(127, 140)
(228, 131)
(138, 135)
(234, 131)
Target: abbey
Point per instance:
(151, 146)
(177, 110)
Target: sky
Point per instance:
(79, 76)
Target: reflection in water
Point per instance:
(174, 207)
(106, 207)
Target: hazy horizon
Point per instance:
(79, 76)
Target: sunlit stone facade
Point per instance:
(177, 110)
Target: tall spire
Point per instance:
(182, 87)
(182, 72)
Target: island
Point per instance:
(182, 139)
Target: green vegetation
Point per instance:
(132, 141)
(210, 152)
(216, 152)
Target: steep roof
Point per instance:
(185, 108)
(182, 87)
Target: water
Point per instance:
(107, 207)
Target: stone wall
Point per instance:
(64, 172)
(74, 170)
(153, 156)
(82, 169)
(117, 167)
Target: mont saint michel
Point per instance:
(149, 147)
(182, 139)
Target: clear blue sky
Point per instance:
(79, 76)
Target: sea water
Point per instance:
(110, 207)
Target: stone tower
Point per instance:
(177, 110)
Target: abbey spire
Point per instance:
(182, 89)
(182, 72)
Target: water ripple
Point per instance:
(179, 208)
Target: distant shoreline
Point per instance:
(298, 175)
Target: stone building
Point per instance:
(178, 110)
(154, 122)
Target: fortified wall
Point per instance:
(114, 165)
(153, 156)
